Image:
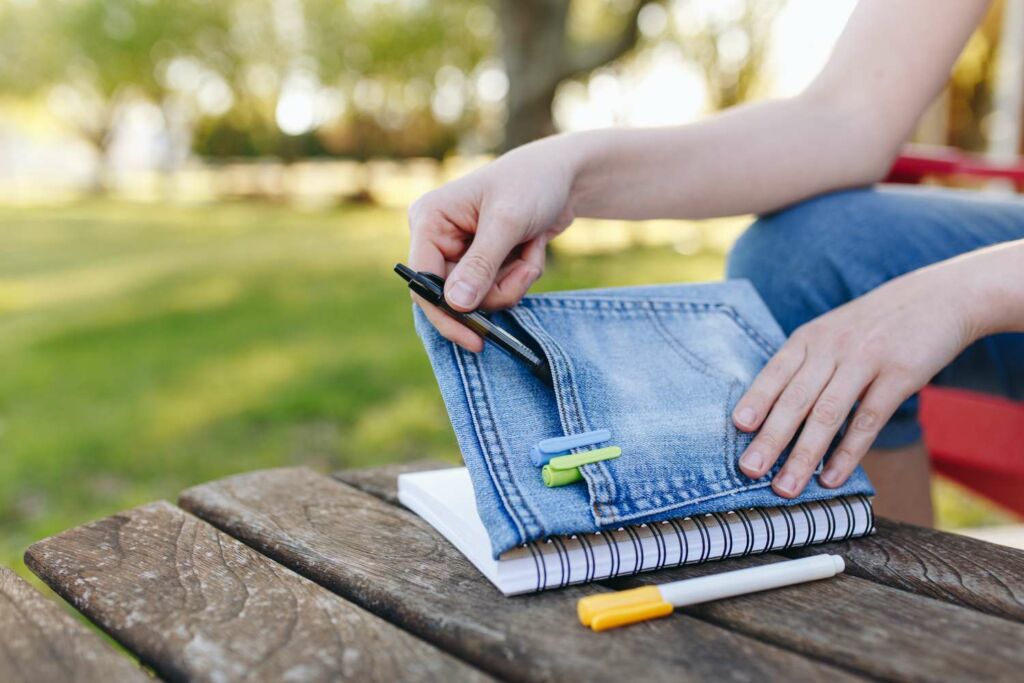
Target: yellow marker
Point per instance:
(609, 610)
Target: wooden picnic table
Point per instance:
(290, 575)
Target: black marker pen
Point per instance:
(431, 287)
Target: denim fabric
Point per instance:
(661, 367)
(816, 256)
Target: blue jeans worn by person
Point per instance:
(661, 367)
(811, 258)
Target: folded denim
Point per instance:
(661, 367)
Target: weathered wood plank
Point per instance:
(848, 621)
(40, 642)
(197, 605)
(382, 482)
(391, 562)
(948, 567)
(865, 626)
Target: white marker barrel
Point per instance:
(764, 577)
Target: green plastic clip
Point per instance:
(565, 469)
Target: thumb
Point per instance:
(475, 273)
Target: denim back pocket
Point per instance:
(661, 367)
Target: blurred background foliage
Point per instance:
(201, 200)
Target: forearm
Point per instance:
(994, 281)
(893, 58)
(750, 160)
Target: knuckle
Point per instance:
(795, 396)
(503, 213)
(803, 459)
(874, 346)
(478, 266)
(827, 411)
(807, 332)
(754, 398)
(844, 457)
(866, 421)
(769, 440)
(418, 210)
(777, 368)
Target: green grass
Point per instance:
(146, 348)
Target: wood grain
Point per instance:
(948, 567)
(197, 605)
(391, 562)
(861, 625)
(41, 642)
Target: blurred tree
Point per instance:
(357, 78)
(92, 57)
(540, 53)
(728, 40)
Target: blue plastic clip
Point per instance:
(542, 453)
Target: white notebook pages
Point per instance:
(444, 498)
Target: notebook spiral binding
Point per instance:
(561, 561)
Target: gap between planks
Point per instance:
(40, 642)
(949, 567)
(857, 611)
(389, 561)
(197, 605)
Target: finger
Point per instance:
(449, 328)
(516, 278)
(880, 402)
(821, 426)
(754, 405)
(477, 270)
(785, 416)
(426, 254)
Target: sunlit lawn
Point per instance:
(147, 348)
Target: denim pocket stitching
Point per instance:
(481, 411)
(611, 514)
(684, 353)
(583, 302)
(574, 421)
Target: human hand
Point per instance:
(878, 349)
(487, 232)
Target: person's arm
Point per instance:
(487, 231)
(879, 350)
(891, 61)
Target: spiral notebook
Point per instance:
(444, 498)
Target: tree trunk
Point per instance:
(533, 49)
(538, 56)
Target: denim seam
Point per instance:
(684, 353)
(615, 517)
(495, 450)
(692, 306)
(600, 481)
(570, 411)
(463, 383)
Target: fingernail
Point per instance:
(829, 478)
(746, 416)
(461, 293)
(753, 462)
(786, 483)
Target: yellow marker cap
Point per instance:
(608, 610)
